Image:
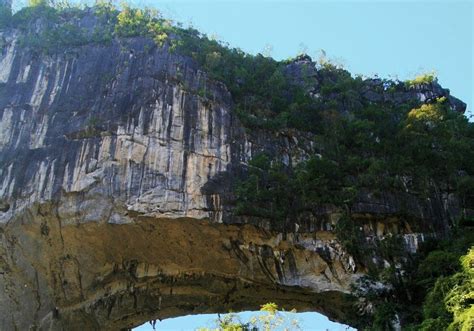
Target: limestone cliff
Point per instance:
(116, 195)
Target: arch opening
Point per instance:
(305, 321)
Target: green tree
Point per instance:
(268, 192)
(270, 319)
(460, 300)
(34, 3)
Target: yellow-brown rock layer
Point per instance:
(102, 276)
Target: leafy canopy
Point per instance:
(270, 319)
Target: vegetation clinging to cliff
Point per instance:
(264, 95)
(378, 149)
(425, 150)
(425, 78)
(422, 153)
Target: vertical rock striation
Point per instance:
(119, 121)
(116, 175)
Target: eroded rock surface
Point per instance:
(110, 276)
(111, 122)
(116, 203)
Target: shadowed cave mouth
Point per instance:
(304, 321)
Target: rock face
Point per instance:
(114, 196)
(114, 123)
(107, 276)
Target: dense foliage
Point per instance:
(269, 319)
(441, 283)
(421, 79)
(430, 290)
(268, 192)
(425, 151)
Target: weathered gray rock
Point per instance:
(108, 121)
(116, 177)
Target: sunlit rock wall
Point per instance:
(118, 122)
